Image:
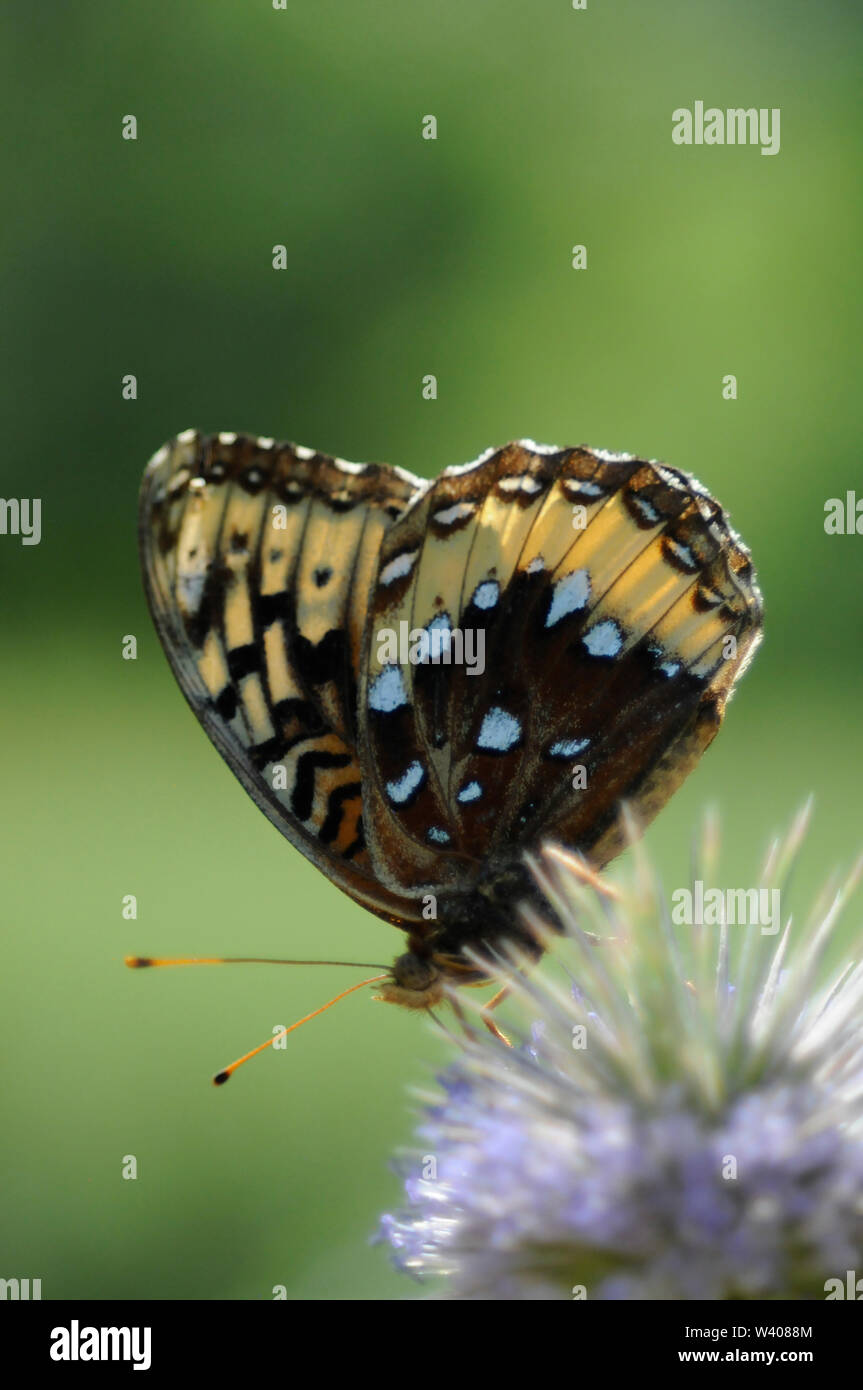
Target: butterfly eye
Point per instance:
(411, 971)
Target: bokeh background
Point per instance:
(406, 257)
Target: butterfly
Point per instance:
(419, 681)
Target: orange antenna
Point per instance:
(221, 1076)
(140, 962)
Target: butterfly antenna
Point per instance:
(142, 962)
(222, 1076)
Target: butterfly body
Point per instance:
(610, 603)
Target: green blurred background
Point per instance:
(406, 257)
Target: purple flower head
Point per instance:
(660, 1135)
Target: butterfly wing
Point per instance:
(614, 609)
(258, 560)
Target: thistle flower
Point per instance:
(683, 1119)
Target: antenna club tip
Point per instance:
(137, 962)
(221, 1077)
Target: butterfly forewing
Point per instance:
(258, 561)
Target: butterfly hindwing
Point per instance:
(654, 614)
(258, 561)
(613, 608)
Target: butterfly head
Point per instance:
(420, 978)
(416, 981)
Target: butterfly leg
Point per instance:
(489, 1021)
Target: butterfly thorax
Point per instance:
(478, 925)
